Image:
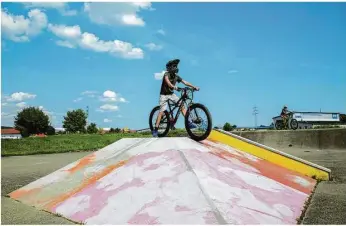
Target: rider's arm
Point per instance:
(169, 82)
(188, 84)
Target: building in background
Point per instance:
(307, 120)
(10, 134)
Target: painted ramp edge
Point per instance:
(270, 154)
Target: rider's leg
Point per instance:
(285, 122)
(163, 106)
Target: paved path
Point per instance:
(19, 171)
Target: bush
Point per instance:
(92, 128)
(50, 131)
(227, 127)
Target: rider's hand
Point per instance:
(196, 88)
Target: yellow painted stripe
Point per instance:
(270, 156)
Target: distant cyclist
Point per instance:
(169, 80)
(284, 115)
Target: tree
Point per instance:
(112, 130)
(117, 130)
(227, 127)
(92, 128)
(75, 121)
(31, 120)
(50, 130)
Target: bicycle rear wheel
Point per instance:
(164, 122)
(200, 116)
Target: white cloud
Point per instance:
(65, 32)
(21, 29)
(153, 47)
(78, 99)
(7, 115)
(74, 37)
(20, 96)
(111, 96)
(116, 13)
(89, 93)
(159, 75)
(107, 120)
(21, 105)
(65, 44)
(232, 71)
(62, 7)
(108, 107)
(121, 99)
(161, 31)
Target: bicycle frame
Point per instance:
(179, 105)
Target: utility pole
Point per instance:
(87, 113)
(255, 113)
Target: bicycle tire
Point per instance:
(157, 108)
(209, 118)
(278, 125)
(292, 127)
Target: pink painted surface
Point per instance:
(190, 183)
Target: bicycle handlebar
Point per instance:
(185, 88)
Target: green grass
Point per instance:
(69, 143)
(60, 143)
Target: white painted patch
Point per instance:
(229, 200)
(73, 205)
(49, 179)
(303, 182)
(284, 210)
(251, 157)
(126, 174)
(260, 181)
(93, 169)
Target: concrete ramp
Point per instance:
(171, 181)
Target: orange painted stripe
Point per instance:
(23, 192)
(82, 163)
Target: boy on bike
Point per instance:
(170, 78)
(284, 115)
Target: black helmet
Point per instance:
(172, 65)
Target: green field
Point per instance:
(67, 143)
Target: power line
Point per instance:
(255, 113)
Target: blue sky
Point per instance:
(63, 56)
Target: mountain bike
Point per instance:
(291, 123)
(168, 120)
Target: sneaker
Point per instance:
(192, 125)
(155, 133)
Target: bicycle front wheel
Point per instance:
(198, 122)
